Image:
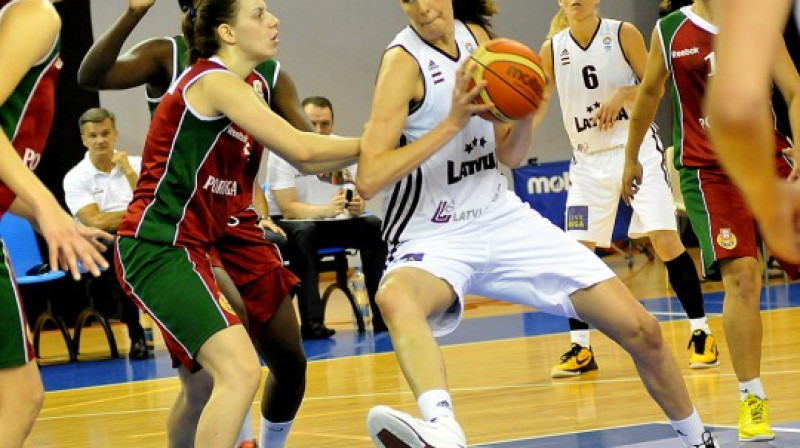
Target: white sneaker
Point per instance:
(394, 429)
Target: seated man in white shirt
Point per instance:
(306, 204)
(97, 191)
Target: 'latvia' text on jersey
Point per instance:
(687, 42)
(587, 77)
(26, 116)
(193, 169)
(460, 181)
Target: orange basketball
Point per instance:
(514, 79)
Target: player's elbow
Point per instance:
(365, 188)
(735, 112)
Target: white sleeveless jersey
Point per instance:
(585, 78)
(461, 181)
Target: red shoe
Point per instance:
(248, 444)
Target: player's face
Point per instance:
(99, 138)
(579, 9)
(321, 118)
(432, 19)
(256, 30)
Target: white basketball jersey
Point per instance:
(585, 78)
(461, 181)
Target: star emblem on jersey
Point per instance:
(593, 107)
(469, 147)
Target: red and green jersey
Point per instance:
(194, 170)
(263, 80)
(27, 114)
(687, 42)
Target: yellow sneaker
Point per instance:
(705, 353)
(577, 360)
(754, 420)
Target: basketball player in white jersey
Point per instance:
(738, 98)
(596, 64)
(453, 228)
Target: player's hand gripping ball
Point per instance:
(514, 79)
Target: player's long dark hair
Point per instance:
(478, 12)
(200, 22)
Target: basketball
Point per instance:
(514, 79)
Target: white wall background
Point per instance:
(333, 48)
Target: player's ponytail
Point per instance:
(478, 12)
(558, 23)
(201, 19)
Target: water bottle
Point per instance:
(359, 289)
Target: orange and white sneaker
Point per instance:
(390, 428)
(577, 360)
(703, 351)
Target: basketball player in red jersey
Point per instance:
(682, 49)
(193, 166)
(29, 56)
(738, 98)
(255, 267)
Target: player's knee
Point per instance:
(644, 336)
(393, 300)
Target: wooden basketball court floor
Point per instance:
(498, 363)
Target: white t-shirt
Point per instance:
(311, 188)
(84, 184)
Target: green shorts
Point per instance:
(176, 287)
(15, 348)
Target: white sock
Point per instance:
(274, 435)
(435, 403)
(246, 431)
(752, 387)
(690, 430)
(580, 337)
(701, 323)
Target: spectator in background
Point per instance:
(97, 191)
(307, 205)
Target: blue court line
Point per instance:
(350, 343)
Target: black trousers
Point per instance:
(305, 237)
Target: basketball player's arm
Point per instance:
(27, 33)
(223, 93)
(633, 47)
(738, 98)
(91, 216)
(546, 55)
(148, 62)
(381, 162)
(787, 80)
(293, 209)
(644, 111)
(287, 104)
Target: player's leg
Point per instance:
(727, 235)
(21, 392)
(654, 215)
(281, 348)
(590, 212)
(409, 297)
(189, 403)
(23, 395)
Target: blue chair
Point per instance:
(26, 262)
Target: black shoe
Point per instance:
(316, 330)
(138, 350)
